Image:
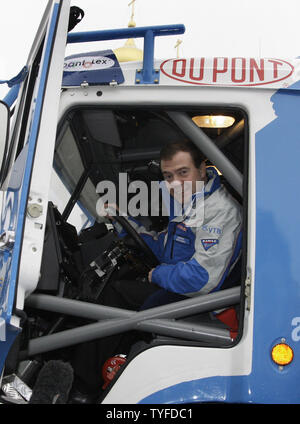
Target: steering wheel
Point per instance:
(138, 240)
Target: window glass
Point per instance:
(69, 168)
(68, 163)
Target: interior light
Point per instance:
(282, 354)
(213, 121)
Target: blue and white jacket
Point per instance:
(195, 259)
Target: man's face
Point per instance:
(180, 169)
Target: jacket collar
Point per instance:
(213, 183)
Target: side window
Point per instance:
(67, 174)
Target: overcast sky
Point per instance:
(268, 28)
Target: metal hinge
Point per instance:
(34, 210)
(7, 240)
(113, 83)
(248, 288)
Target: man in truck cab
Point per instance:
(195, 254)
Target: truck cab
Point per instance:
(81, 120)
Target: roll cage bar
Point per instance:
(159, 320)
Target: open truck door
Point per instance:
(31, 142)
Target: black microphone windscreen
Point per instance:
(53, 383)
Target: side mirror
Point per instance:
(4, 135)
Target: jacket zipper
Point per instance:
(172, 246)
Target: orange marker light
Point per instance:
(282, 354)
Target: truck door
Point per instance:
(28, 167)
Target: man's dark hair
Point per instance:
(170, 150)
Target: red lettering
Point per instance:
(219, 71)
(275, 67)
(233, 69)
(260, 71)
(181, 72)
(201, 70)
(227, 71)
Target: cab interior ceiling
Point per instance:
(111, 141)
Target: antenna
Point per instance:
(177, 47)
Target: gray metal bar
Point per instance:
(195, 305)
(183, 308)
(132, 320)
(231, 134)
(206, 145)
(75, 307)
(138, 155)
(77, 335)
(198, 332)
